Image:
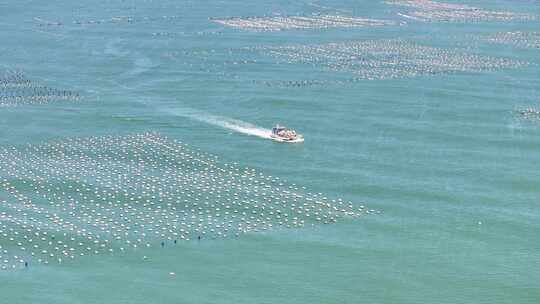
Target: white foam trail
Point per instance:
(410, 17)
(220, 121)
(235, 125)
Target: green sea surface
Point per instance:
(444, 158)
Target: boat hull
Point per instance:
(284, 140)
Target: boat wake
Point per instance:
(220, 121)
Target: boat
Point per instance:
(283, 134)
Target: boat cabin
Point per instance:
(278, 129)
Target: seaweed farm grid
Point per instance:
(387, 59)
(86, 196)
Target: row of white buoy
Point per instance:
(518, 38)
(430, 5)
(14, 79)
(96, 195)
(281, 23)
(126, 19)
(315, 82)
(529, 113)
(384, 59)
(299, 83)
(167, 34)
(426, 10)
(112, 20)
(16, 89)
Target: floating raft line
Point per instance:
(282, 23)
(17, 90)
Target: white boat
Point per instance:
(283, 134)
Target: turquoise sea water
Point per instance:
(451, 167)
